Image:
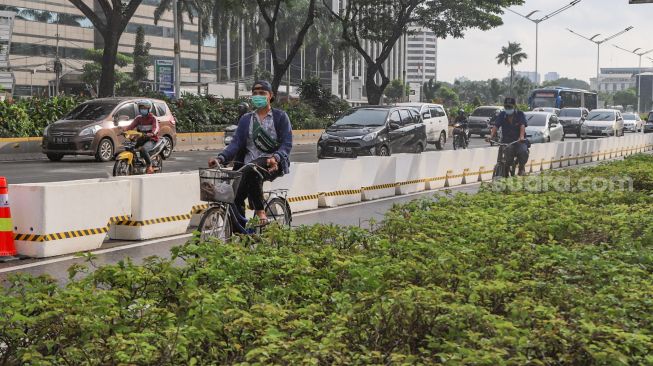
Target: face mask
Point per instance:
(259, 101)
(510, 111)
(144, 112)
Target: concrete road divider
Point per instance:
(549, 155)
(161, 205)
(378, 177)
(575, 152)
(66, 217)
(302, 186)
(409, 171)
(339, 182)
(435, 165)
(487, 157)
(535, 158)
(559, 156)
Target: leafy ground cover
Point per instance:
(518, 278)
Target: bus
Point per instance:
(559, 97)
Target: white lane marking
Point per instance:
(100, 251)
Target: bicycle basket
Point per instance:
(217, 185)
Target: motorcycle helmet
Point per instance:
(243, 108)
(144, 107)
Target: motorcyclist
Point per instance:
(512, 123)
(147, 124)
(243, 108)
(462, 119)
(263, 137)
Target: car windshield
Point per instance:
(484, 112)
(363, 117)
(544, 102)
(536, 119)
(601, 116)
(630, 117)
(90, 111)
(570, 113)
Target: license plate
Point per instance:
(597, 132)
(61, 140)
(339, 149)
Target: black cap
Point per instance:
(509, 101)
(262, 85)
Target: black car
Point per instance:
(374, 130)
(480, 122)
(648, 127)
(572, 118)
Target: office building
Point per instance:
(614, 79)
(531, 75)
(551, 76)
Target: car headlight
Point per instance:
(45, 131)
(325, 136)
(228, 138)
(369, 137)
(90, 130)
(538, 133)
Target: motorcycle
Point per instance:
(130, 161)
(460, 136)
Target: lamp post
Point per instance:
(639, 74)
(598, 48)
(537, 29)
(177, 55)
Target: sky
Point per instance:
(474, 56)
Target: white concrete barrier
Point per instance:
(473, 166)
(378, 177)
(575, 152)
(593, 150)
(561, 155)
(536, 155)
(409, 173)
(339, 182)
(550, 150)
(488, 157)
(302, 185)
(66, 217)
(435, 166)
(161, 205)
(456, 161)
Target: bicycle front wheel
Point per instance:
(277, 210)
(215, 223)
(499, 171)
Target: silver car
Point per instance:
(633, 123)
(543, 127)
(603, 123)
(572, 118)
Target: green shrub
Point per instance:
(487, 279)
(28, 117)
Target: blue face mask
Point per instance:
(510, 111)
(259, 101)
(144, 112)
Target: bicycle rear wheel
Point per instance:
(277, 210)
(215, 223)
(499, 171)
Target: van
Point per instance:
(436, 122)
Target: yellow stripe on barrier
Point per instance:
(346, 192)
(69, 234)
(158, 220)
(379, 186)
(303, 198)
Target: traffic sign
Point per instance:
(165, 77)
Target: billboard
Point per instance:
(164, 76)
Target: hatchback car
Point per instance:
(543, 127)
(374, 130)
(572, 118)
(633, 123)
(93, 128)
(482, 119)
(602, 123)
(436, 122)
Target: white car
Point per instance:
(543, 127)
(633, 123)
(603, 123)
(435, 120)
(547, 109)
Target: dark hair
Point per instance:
(509, 101)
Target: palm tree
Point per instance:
(511, 56)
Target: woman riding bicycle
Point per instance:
(264, 138)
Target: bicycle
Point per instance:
(503, 168)
(222, 219)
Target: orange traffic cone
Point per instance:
(7, 247)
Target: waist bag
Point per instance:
(262, 140)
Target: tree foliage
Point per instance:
(141, 58)
(625, 97)
(430, 89)
(397, 90)
(512, 56)
(92, 71)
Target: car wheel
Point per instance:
(578, 135)
(563, 137)
(54, 157)
(548, 139)
(104, 151)
(167, 150)
(419, 148)
(441, 141)
(383, 151)
(482, 135)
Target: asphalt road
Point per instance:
(85, 167)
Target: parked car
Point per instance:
(481, 120)
(603, 122)
(374, 130)
(92, 128)
(543, 127)
(436, 122)
(648, 127)
(633, 123)
(572, 118)
(547, 109)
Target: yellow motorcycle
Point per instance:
(130, 161)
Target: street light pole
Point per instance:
(639, 75)
(177, 61)
(598, 47)
(537, 29)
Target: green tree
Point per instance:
(386, 21)
(430, 89)
(141, 58)
(448, 96)
(522, 86)
(511, 56)
(324, 103)
(109, 19)
(396, 90)
(625, 97)
(92, 71)
(568, 83)
(496, 88)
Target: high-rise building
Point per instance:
(422, 56)
(551, 76)
(6, 76)
(531, 75)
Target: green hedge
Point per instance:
(28, 117)
(485, 279)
